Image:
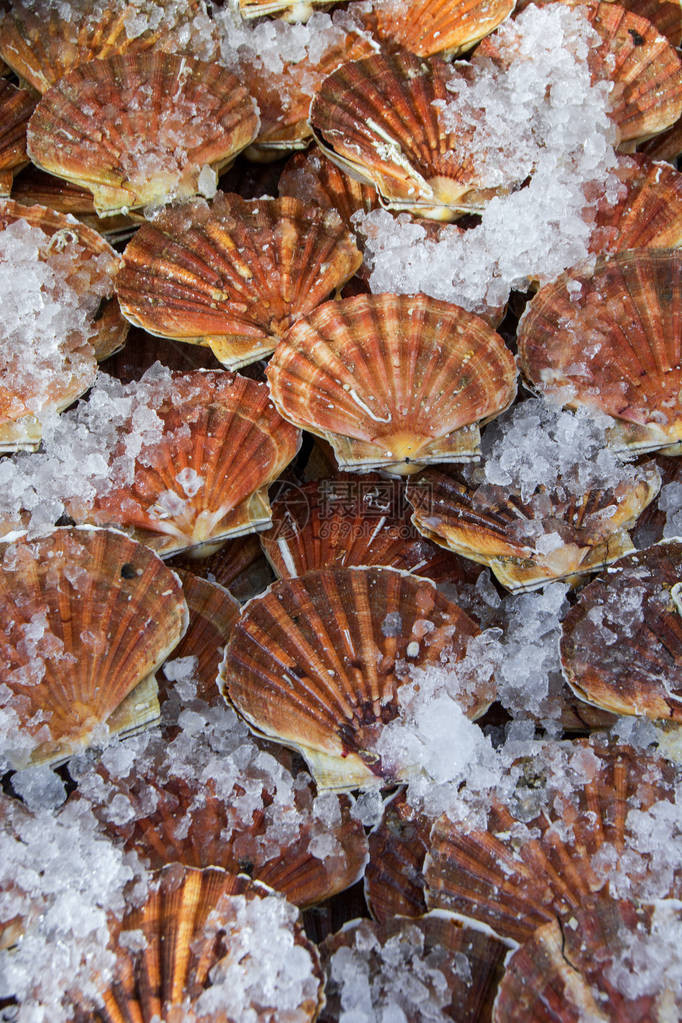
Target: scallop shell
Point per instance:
(234, 274)
(609, 338)
(553, 843)
(284, 97)
(212, 613)
(314, 663)
(394, 878)
(651, 524)
(665, 15)
(621, 647)
(140, 129)
(206, 479)
(375, 118)
(574, 972)
(289, 10)
(196, 822)
(393, 381)
(43, 42)
(643, 65)
(455, 968)
(336, 523)
(16, 107)
(33, 187)
(665, 146)
(312, 177)
(430, 27)
(647, 213)
(496, 527)
(95, 264)
(186, 922)
(92, 591)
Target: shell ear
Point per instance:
(126, 152)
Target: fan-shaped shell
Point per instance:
(197, 822)
(43, 42)
(140, 129)
(375, 118)
(647, 212)
(313, 177)
(609, 338)
(575, 972)
(357, 521)
(393, 381)
(95, 264)
(16, 106)
(88, 615)
(621, 647)
(554, 842)
(643, 65)
(314, 663)
(394, 878)
(455, 968)
(496, 527)
(234, 274)
(431, 27)
(206, 478)
(185, 923)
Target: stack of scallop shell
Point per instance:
(334, 532)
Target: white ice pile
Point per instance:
(47, 319)
(538, 444)
(265, 973)
(650, 959)
(85, 452)
(394, 981)
(264, 808)
(670, 501)
(62, 878)
(544, 117)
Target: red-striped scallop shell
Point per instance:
(647, 211)
(313, 177)
(609, 963)
(16, 107)
(234, 274)
(206, 478)
(315, 663)
(376, 119)
(495, 526)
(435, 967)
(393, 381)
(88, 616)
(336, 523)
(180, 943)
(642, 64)
(566, 832)
(43, 42)
(431, 28)
(621, 647)
(143, 128)
(607, 336)
(394, 877)
(239, 565)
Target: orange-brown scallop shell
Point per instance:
(16, 107)
(621, 647)
(110, 613)
(608, 336)
(315, 664)
(234, 274)
(140, 129)
(393, 381)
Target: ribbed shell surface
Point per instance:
(234, 274)
(138, 129)
(392, 381)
